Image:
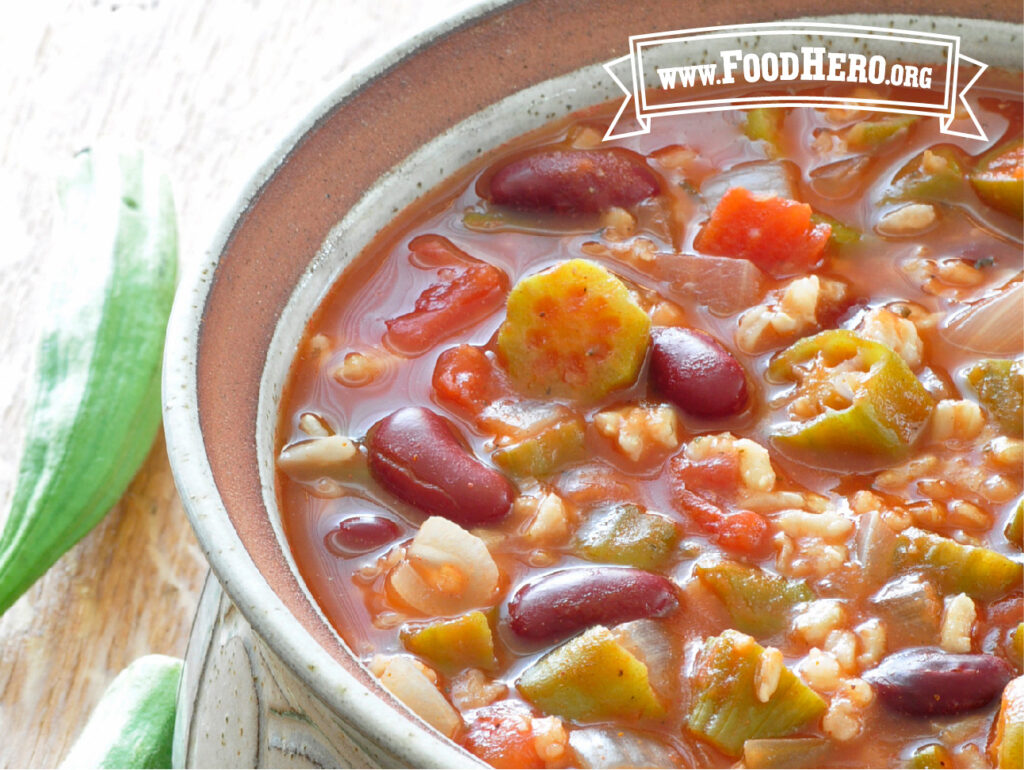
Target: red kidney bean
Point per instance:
(361, 533)
(925, 681)
(573, 181)
(696, 373)
(416, 455)
(567, 601)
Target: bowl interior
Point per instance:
(367, 151)
(424, 169)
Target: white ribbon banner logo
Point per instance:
(663, 80)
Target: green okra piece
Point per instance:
(979, 572)
(96, 406)
(726, 710)
(871, 134)
(624, 533)
(784, 752)
(999, 383)
(765, 124)
(545, 452)
(758, 601)
(455, 644)
(889, 408)
(842, 234)
(132, 726)
(998, 181)
(935, 175)
(591, 677)
(931, 755)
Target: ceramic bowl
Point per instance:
(268, 681)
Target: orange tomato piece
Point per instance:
(743, 532)
(718, 474)
(468, 291)
(502, 735)
(466, 379)
(717, 479)
(1007, 746)
(776, 234)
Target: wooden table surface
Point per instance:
(209, 87)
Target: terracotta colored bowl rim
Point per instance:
(307, 645)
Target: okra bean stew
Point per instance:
(696, 448)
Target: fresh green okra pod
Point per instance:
(97, 392)
(132, 726)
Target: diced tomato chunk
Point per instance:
(701, 511)
(719, 473)
(502, 735)
(700, 491)
(776, 234)
(432, 250)
(743, 531)
(465, 295)
(467, 379)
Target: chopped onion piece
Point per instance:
(403, 679)
(651, 644)
(840, 179)
(876, 544)
(992, 326)
(761, 177)
(602, 747)
(446, 571)
(726, 285)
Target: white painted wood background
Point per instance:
(209, 87)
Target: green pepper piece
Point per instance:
(765, 124)
(842, 234)
(929, 756)
(979, 572)
(999, 384)
(542, 454)
(1014, 529)
(784, 752)
(726, 711)
(870, 134)
(625, 534)
(456, 644)
(501, 220)
(911, 609)
(484, 221)
(591, 677)
(998, 179)
(934, 175)
(758, 601)
(888, 411)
